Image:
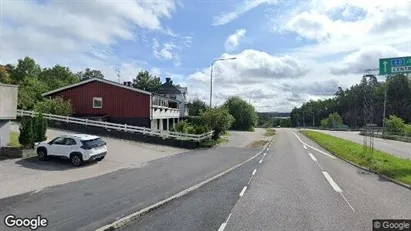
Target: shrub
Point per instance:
(56, 106)
(217, 119)
(26, 137)
(39, 128)
(207, 143)
(395, 124)
(333, 120)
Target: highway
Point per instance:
(287, 186)
(397, 148)
(293, 188)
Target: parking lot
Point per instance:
(25, 175)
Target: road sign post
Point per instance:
(398, 65)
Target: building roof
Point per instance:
(168, 88)
(98, 80)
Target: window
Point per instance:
(97, 102)
(70, 141)
(59, 141)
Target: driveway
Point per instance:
(25, 175)
(241, 139)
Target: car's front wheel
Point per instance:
(76, 160)
(42, 154)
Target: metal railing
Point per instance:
(120, 127)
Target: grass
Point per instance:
(14, 139)
(269, 132)
(222, 140)
(257, 144)
(384, 163)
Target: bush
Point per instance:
(186, 127)
(334, 120)
(39, 128)
(207, 143)
(26, 137)
(217, 119)
(245, 116)
(56, 106)
(395, 124)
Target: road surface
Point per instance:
(400, 149)
(293, 188)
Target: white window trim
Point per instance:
(98, 98)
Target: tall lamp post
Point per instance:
(211, 77)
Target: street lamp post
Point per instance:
(211, 77)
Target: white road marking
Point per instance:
(268, 149)
(265, 153)
(243, 191)
(305, 147)
(261, 161)
(312, 157)
(250, 180)
(347, 202)
(332, 182)
(320, 166)
(222, 227)
(125, 220)
(255, 170)
(318, 150)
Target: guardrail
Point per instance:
(120, 127)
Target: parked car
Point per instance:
(77, 148)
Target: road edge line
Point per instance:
(127, 219)
(366, 169)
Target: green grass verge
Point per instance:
(269, 132)
(394, 167)
(14, 139)
(257, 144)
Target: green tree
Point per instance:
(244, 113)
(332, 121)
(26, 136)
(196, 107)
(395, 124)
(217, 119)
(56, 106)
(145, 81)
(5, 75)
(26, 68)
(29, 93)
(40, 128)
(57, 76)
(90, 73)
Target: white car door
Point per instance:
(57, 147)
(70, 146)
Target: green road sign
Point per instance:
(398, 65)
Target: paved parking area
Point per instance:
(24, 175)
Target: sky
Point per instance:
(286, 52)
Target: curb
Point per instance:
(129, 218)
(364, 168)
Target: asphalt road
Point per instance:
(400, 149)
(291, 192)
(92, 203)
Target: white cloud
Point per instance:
(77, 34)
(239, 9)
(233, 40)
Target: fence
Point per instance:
(120, 127)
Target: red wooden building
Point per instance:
(119, 103)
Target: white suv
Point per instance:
(77, 148)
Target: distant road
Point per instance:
(397, 148)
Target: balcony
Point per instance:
(162, 112)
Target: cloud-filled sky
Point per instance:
(287, 51)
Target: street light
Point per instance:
(211, 77)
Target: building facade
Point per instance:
(178, 93)
(119, 103)
(8, 111)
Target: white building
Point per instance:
(176, 93)
(8, 111)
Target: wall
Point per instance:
(8, 101)
(4, 132)
(117, 101)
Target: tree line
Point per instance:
(349, 103)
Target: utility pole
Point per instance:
(303, 120)
(385, 106)
(313, 119)
(211, 77)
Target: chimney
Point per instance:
(171, 81)
(168, 80)
(129, 83)
(125, 83)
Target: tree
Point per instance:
(56, 106)
(217, 119)
(57, 76)
(196, 107)
(26, 67)
(145, 81)
(332, 121)
(29, 93)
(40, 128)
(244, 113)
(4, 75)
(90, 73)
(26, 132)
